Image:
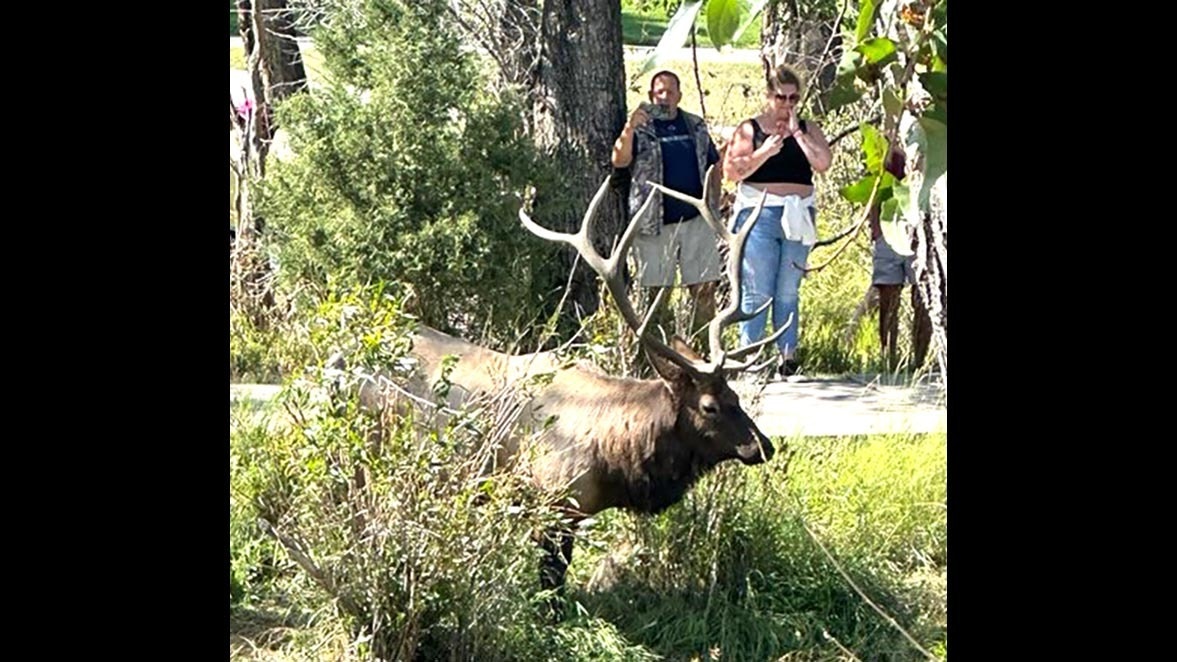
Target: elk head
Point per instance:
(709, 417)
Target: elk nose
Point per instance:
(758, 450)
(767, 447)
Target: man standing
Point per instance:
(664, 144)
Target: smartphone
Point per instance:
(657, 111)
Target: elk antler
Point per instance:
(610, 270)
(735, 244)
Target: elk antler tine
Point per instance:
(610, 271)
(618, 256)
(735, 259)
(653, 308)
(759, 345)
(540, 231)
(698, 204)
(580, 241)
(592, 210)
(750, 365)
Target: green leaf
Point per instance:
(752, 9)
(928, 141)
(940, 13)
(867, 10)
(850, 63)
(940, 45)
(892, 106)
(896, 230)
(859, 192)
(879, 50)
(929, 137)
(728, 19)
(936, 83)
(844, 92)
(723, 16)
(677, 31)
(874, 147)
(938, 113)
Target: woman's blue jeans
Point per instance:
(767, 273)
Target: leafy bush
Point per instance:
(407, 167)
(393, 518)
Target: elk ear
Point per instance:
(668, 371)
(679, 345)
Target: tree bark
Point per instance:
(276, 72)
(274, 61)
(799, 39)
(578, 111)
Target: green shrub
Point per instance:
(407, 167)
(415, 548)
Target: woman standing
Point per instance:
(776, 152)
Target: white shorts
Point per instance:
(688, 245)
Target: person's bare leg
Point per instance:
(889, 322)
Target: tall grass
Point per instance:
(737, 569)
(355, 537)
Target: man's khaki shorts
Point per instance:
(689, 245)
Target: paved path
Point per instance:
(810, 407)
(828, 406)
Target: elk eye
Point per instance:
(710, 406)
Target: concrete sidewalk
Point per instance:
(806, 407)
(834, 406)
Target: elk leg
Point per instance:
(557, 546)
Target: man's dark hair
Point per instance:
(665, 72)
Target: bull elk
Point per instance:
(617, 442)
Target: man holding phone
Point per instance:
(664, 144)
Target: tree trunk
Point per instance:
(931, 268)
(579, 109)
(275, 64)
(276, 72)
(799, 39)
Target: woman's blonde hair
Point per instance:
(783, 74)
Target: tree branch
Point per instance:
(874, 192)
(295, 550)
(698, 81)
(845, 132)
(478, 36)
(825, 52)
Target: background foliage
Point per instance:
(407, 168)
(399, 205)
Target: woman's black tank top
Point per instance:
(788, 165)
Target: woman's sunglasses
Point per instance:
(794, 97)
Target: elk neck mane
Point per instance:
(630, 427)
